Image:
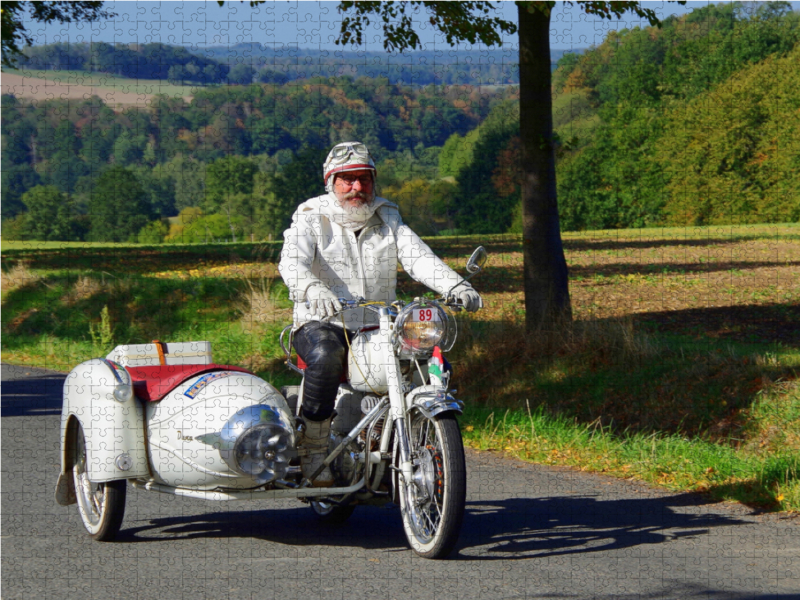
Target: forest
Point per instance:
(695, 123)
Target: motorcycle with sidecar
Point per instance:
(165, 418)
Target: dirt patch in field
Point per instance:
(45, 89)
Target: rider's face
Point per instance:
(354, 188)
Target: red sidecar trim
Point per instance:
(153, 383)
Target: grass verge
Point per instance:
(606, 397)
(767, 481)
(680, 368)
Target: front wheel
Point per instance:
(432, 504)
(101, 505)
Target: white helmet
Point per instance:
(347, 156)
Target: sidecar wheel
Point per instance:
(101, 505)
(330, 514)
(432, 504)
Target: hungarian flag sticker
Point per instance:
(436, 367)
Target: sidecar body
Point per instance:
(170, 416)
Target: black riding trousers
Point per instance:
(324, 349)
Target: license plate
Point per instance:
(426, 314)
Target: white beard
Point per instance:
(351, 217)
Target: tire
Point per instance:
(432, 506)
(101, 505)
(330, 514)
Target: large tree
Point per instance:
(118, 207)
(49, 215)
(545, 268)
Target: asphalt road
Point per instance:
(529, 532)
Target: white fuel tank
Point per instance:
(366, 362)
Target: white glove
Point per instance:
(471, 299)
(322, 302)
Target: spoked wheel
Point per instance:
(432, 504)
(331, 514)
(101, 505)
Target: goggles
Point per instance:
(341, 153)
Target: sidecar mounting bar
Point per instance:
(308, 492)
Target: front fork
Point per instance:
(397, 401)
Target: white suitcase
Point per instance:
(160, 353)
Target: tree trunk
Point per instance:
(545, 268)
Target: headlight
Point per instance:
(257, 441)
(422, 325)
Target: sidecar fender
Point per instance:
(432, 400)
(112, 423)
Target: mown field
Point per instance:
(117, 92)
(680, 368)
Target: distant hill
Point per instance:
(256, 63)
(495, 66)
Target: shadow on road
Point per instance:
(559, 525)
(513, 528)
(37, 393)
(371, 528)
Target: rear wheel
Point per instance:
(101, 505)
(432, 504)
(330, 513)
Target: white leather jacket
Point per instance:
(318, 251)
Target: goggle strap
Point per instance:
(345, 168)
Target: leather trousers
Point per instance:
(323, 348)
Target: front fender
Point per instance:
(113, 427)
(432, 400)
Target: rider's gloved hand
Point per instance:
(471, 299)
(322, 302)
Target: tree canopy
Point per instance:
(42, 11)
(545, 270)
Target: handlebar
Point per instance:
(376, 305)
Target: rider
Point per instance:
(343, 244)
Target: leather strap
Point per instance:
(160, 346)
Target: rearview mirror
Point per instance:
(477, 260)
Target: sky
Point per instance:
(199, 25)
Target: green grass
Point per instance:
(673, 407)
(132, 257)
(721, 418)
(48, 321)
(768, 480)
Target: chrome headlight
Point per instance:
(422, 325)
(123, 387)
(258, 441)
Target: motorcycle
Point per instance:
(165, 418)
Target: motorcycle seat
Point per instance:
(154, 382)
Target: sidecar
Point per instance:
(165, 415)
